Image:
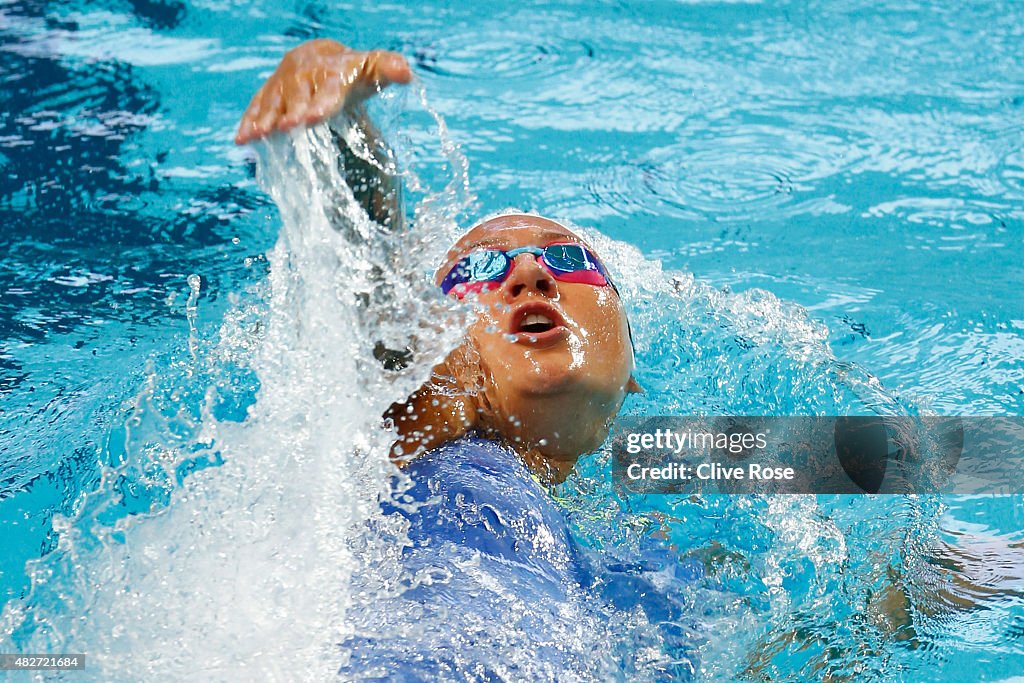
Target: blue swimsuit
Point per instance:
(482, 529)
(482, 498)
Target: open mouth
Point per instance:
(537, 322)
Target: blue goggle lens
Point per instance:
(482, 266)
(492, 265)
(568, 258)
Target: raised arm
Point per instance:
(315, 81)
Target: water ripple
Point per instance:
(510, 55)
(737, 176)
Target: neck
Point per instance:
(549, 470)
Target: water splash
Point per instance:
(220, 536)
(236, 527)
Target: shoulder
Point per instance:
(478, 494)
(475, 470)
(470, 456)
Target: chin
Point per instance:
(543, 377)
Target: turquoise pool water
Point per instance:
(828, 200)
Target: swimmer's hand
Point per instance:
(316, 80)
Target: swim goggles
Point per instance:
(486, 269)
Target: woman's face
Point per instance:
(555, 357)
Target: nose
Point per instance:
(529, 276)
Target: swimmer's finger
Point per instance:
(271, 108)
(244, 133)
(328, 99)
(297, 95)
(386, 68)
(378, 70)
(247, 126)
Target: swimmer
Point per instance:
(549, 361)
(541, 371)
(538, 377)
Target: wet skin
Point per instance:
(551, 392)
(313, 82)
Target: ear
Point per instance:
(633, 387)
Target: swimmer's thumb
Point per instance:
(389, 67)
